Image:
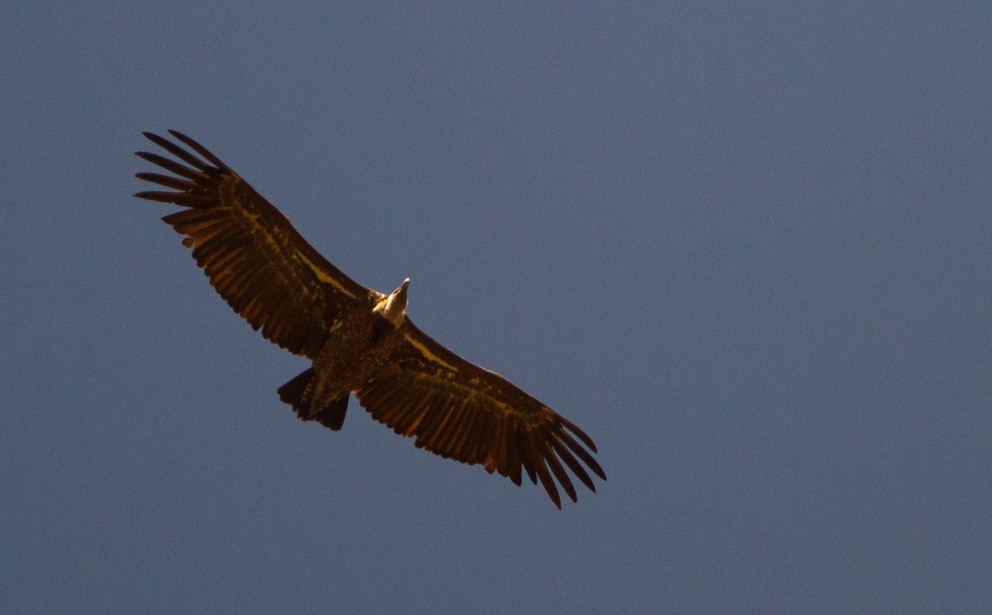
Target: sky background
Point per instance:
(746, 249)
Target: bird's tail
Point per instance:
(299, 393)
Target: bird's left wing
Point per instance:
(253, 256)
(461, 411)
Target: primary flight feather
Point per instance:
(359, 340)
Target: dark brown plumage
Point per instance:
(359, 339)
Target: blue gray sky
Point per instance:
(746, 248)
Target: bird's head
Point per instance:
(393, 306)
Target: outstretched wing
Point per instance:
(250, 252)
(461, 411)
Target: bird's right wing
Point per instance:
(250, 252)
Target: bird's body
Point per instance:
(359, 340)
(356, 349)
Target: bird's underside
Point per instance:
(359, 340)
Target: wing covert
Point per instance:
(254, 258)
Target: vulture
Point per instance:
(358, 340)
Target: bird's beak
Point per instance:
(400, 292)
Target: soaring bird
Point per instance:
(359, 340)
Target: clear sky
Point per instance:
(746, 249)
